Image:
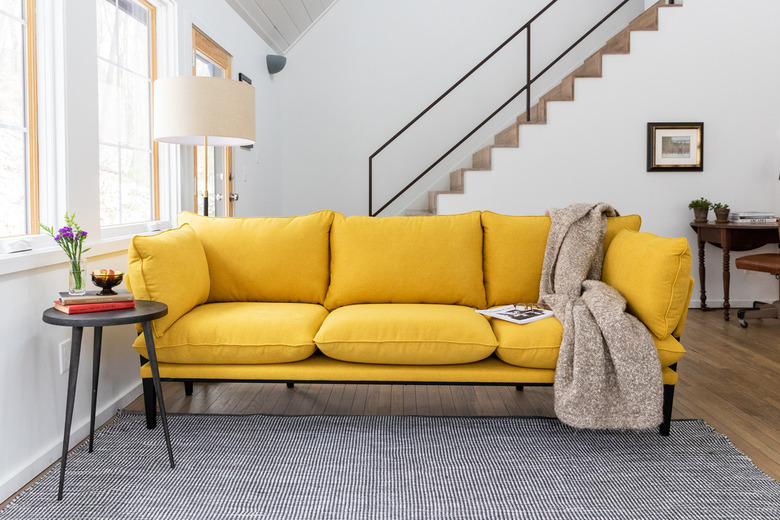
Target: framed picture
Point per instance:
(675, 147)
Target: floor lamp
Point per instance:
(199, 110)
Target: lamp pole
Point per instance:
(206, 176)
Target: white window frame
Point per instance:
(69, 144)
(30, 124)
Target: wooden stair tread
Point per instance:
(591, 68)
(509, 137)
(456, 180)
(538, 115)
(563, 91)
(647, 21)
(482, 158)
(619, 44)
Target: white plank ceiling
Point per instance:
(280, 22)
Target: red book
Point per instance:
(93, 307)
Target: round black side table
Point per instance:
(143, 313)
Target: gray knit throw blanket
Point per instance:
(608, 374)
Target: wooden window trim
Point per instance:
(33, 195)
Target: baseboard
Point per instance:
(52, 454)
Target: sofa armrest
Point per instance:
(677, 333)
(653, 274)
(171, 268)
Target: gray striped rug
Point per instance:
(320, 467)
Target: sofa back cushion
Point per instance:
(169, 267)
(406, 260)
(654, 275)
(265, 259)
(514, 253)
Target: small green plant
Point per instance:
(701, 202)
(719, 205)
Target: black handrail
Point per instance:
(526, 88)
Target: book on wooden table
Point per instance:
(92, 297)
(519, 313)
(754, 221)
(751, 215)
(93, 307)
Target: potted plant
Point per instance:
(701, 208)
(721, 212)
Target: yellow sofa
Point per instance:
(329, 298)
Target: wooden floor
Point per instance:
(729, 377)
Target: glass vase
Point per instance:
(77, 280)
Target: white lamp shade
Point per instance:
(189, 108)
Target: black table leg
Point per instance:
(75, 353)
(95, 373)
(152, 354)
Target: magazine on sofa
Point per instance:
(519, 313)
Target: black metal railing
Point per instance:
(526, 88)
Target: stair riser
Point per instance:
(509, 137)
(481, 159)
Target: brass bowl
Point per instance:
(107, 282)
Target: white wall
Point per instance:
(707, 63)
(32, 393)
(367, 68)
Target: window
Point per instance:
(18, 119)
(209, 59)
(126, 72)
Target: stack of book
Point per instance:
(752, 217)
(91, 302)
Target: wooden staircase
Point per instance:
(564, 91)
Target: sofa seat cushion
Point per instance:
(240, 333)
(434, 260)
(266, 259)
(406, 334)
(536, 344)
(514, 253)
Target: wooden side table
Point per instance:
(143, 313)
(730, 237)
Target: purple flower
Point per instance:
(82, 235)
(68, 235)
(57, 238)
(66, 229)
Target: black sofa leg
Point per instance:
(150, 399)
(519, 388)
(290, 385)
(668, 401)
(188, 388)
(668, 405)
